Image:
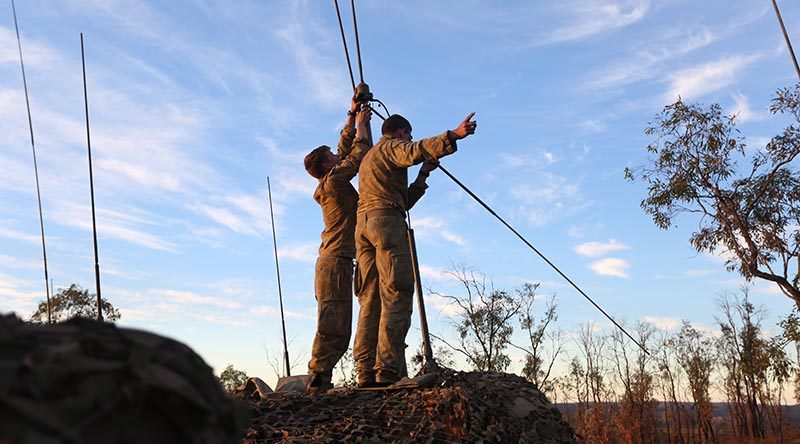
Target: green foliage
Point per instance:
(71, 302)
(754, 214)
(232, 378)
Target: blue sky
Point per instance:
(194, 103)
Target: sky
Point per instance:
(193, 104)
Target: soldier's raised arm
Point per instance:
(348, 133)
(348, 166)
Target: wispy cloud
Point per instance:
(589, 18)
(12, 262)
(433, 273)
(597, 249)
(611, 266)
(115, 224)
(431, 228)
(445, 306)
(34, 53)
(194, 298)
(306, 252)
(697, 81)
(548, 198)
(699, 272)
(18, 235)
(304, 39)
(663, 322)
(266, 310)
(647, 63)
(742, 110)
(241, 213)
(576, 232)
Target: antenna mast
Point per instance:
(278, 269)
(91, 189)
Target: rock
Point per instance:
(84, 381)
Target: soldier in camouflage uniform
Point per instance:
(334, 269)
(383, 254)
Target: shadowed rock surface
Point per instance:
(462, 407)
(83, 381)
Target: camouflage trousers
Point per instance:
(333, 289)
(385, 295)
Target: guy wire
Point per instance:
(489, 209)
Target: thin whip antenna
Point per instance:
(786, 36)
(278, 269)
(91, 189)
(358, 46)
(35, 164)
(478, 199)
(344, 42)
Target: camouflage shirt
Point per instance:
(383, 175)
(338, 199)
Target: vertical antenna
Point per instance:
(278, 269)
(91, 189)
(49, 318)
(344, 42)
(358, 46)
(35, 164)
(786, 36)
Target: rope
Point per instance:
(344, 42)
(358, 46)
(35, 164)
(786, 36)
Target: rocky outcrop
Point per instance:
(461, 407)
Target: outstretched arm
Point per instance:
(406, 154)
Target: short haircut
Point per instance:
(315, 161)
(394, 123)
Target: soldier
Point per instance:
(384, 261)
(334, 269)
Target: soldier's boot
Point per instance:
(367, 380)
(386, 377)
(318, 383)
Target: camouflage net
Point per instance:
(462, 407)
(83, 381)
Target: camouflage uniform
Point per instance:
(334, 269)
(383, 256)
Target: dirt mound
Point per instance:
(462, 407)
(84, 381)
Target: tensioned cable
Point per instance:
(35, 164)
(489, 209)
(358, 46)
(344, 42)
(786, 36)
